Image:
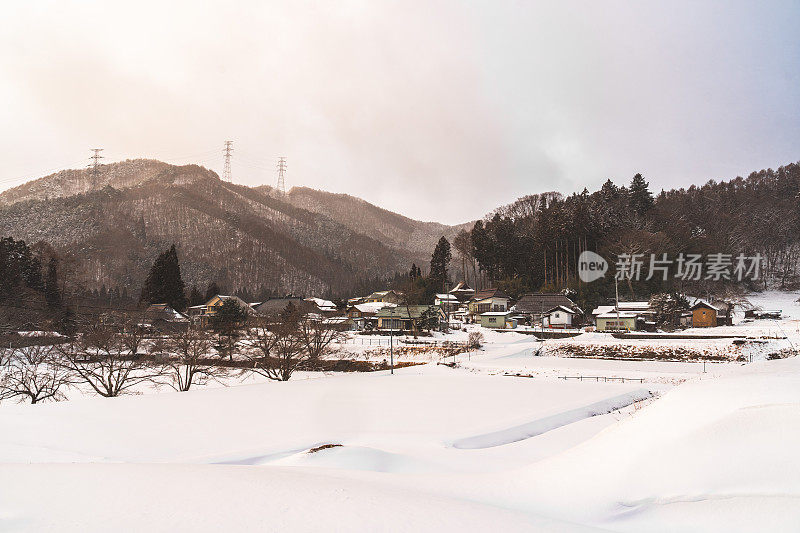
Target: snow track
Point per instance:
(549, 423)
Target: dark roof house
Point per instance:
(540, 303)
(275, 306)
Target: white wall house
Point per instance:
(559, 317)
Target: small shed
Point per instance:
(616, 321)
(559, 317)
(704, 315)
(494, 319)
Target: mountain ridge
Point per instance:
(242, 237)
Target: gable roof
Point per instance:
(702, 303)
(223, 298)
(274, 306)
(164, 312)
(373, 307)
(406, 311)
(562, 308)
(540, 302)
(323, 305)
(462, 287)
(489, 293)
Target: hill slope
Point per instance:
(363, 217)
(239, 236)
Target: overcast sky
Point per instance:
(438, 110)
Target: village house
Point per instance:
(363, 316)
(707, 314)
(448, 303)
(536, 306)
(275, 306)
(390, 296)
(324, 307)
(201, 314)
(462, 292)
(614, 320)
(487, 300)
(407, 318)
(162, 317)
(641, 311)
(560, 317)
(497, 320)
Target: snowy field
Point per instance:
(430, 448)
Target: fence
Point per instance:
(399, 341)
(602, 378)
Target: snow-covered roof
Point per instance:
(447, 297)
(634, 306)
(325, 305)
(336, 320)
(621, 314)
(496, 313)
(373, 307)
(562, 308)
(462, 287)
(602, 309)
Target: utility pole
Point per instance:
(391, 340)
(227, 152)
(95, 165)
(281, 172)
(616, 300)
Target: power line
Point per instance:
(281, 172)
(226, 171)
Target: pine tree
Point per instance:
(439, 263)
(640, 199)
(164, 283)
(51, 292)
(211, 291)
(195, 296)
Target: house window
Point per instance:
(492, 320)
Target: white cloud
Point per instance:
(407, 104)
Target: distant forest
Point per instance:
(534, 243)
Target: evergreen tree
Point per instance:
(609, 192)
(51, 292)
(164, 283)
(640, 199)
(211, 291)
(195, 296)
(439, 263)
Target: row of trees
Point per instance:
(116, 358)
(534, 243)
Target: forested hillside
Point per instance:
(362, 217)
(535, 242)
(234, 235)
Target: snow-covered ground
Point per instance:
(429, 448)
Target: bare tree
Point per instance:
(318, 336)
(32, 372)
(279, 349)
(97, 359)
(474, 340)
(189, 362)
(132, 333)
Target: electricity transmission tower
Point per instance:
(95, 165)
(226, 171)
(281, 172)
